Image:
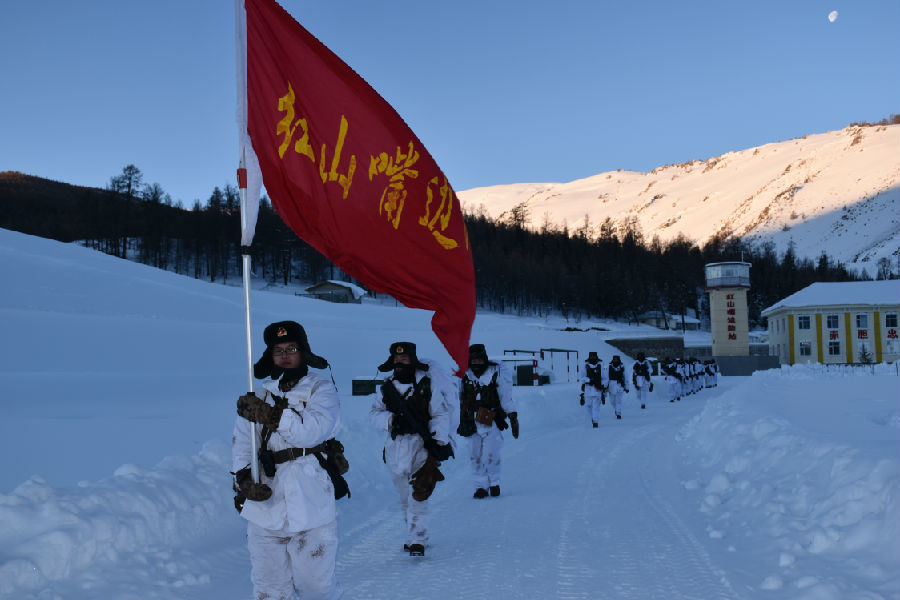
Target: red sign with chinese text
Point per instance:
(345, 172)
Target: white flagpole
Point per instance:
(247, 227)
(245, 268)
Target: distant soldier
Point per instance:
(485, 403)
(673, 379)
(640, 377)
(414, 409)
(593, 386)
(711, 371)
(617, 385)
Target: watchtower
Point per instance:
(727, 284)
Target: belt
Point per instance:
(282, 456)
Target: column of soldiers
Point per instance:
(292, 419)
(682, 377)
(689, 376)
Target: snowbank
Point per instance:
(802, 465)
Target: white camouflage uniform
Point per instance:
(486, 444)
(592, 395)
(617, 389)
(641, 384)
(406, 454)
(292, 536)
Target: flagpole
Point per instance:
(247, 228)
(245, 268)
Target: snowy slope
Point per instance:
(118, 388)
(837, 191)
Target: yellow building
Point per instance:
(846, 322)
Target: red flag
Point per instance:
(348, 175)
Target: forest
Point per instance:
(608, 271)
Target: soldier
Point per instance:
(485, 402)
(640, 377)
(414, 408)
(291, 513)
(593, 386)
(673, 379)
(617, 385)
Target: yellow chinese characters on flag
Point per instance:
(346, 173)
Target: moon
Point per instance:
(832, 16)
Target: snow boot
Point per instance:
(495, 490)
(642, 406)
(480, 493)
(416, 550)
(618, 416)
(595, 425)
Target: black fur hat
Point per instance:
(478, 351)
(592, 357)
(279, 333)
(398, 348)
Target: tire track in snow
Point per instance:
(620, 538)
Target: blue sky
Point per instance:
(499, 91)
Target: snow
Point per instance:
(118, 401)
(846, 293)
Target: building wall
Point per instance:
(729, 322)
(834, 334)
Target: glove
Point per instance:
(425, 479)
(651, 386)
(250, 489)
(581, 400)
(514, 424)
(253, 408)
(627, 391)
(442, 451)
(582, 387)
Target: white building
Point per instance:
(846, 322)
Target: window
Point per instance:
(803, 322)
(805, 349)
(862, 321)
(832, 322)
(834, 348)
(890, 319)
(892, 347)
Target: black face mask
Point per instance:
(405, 373)
(290, 377)
(478, 369)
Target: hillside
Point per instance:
(837, 191)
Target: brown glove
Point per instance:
(485, 416)
(253, 408)
(514, 424)
(425, 479)
(250, 489)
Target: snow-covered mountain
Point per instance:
(837, 191)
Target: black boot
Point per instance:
(495, 490)
(618, 416)
(595, 424)
(416, 550)
(480, 493)
(642, 406)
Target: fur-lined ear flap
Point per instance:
(264, 366)
(316, 362)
